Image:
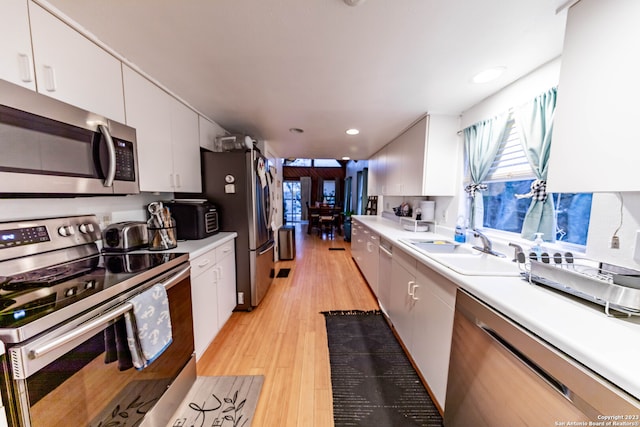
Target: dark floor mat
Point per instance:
(284, 272)
(373, 381)
(336, 249)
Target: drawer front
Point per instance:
(202, 263)
(225, 250)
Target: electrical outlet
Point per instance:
(240, 298)
(615, 242)
(104, 220)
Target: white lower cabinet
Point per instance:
(421, 310)
(227, 295)
(433, 320)
(365, 245)
(213, 293)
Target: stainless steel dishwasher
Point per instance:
(502, 375)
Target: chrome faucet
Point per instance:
(518, 255)
(486, 244)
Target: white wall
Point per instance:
(517, 93)
(115, 209)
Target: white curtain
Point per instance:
(305, 196)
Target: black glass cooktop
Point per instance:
(34, 294)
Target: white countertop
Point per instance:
(608, 346)
(196, 248)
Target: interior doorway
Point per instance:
(292, 206)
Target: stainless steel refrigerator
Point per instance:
(237, 182)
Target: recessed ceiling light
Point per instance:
(346, 158)
(296, 130)
(352, 131)
(488, 75)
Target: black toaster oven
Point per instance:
(195, 219)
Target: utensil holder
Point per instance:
(162, 238)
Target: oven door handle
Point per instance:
(100, 320)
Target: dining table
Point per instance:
(317, 212)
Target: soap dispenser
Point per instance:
(460, 234)
(537, 246)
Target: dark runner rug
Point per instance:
(373, 381)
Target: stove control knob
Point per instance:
(70, 292)
(86, 228)
(65, 230)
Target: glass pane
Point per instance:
(291, 201)
(573, 212)
(329, 192)
(297, 162)
(326, 163)
(502, 210)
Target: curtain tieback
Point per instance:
(538, 191)
(472, 188)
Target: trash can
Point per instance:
(287, 242)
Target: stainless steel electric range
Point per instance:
(61, 316)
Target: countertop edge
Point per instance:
(608, 346)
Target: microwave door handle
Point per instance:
(111, 149)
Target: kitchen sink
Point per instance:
(463, 259)
(435, 246)
(478, 264)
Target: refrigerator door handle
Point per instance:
(268, 248)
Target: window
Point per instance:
(511, 174)
(318, 163)
(298, 162)
(329, 192)
(326, 163)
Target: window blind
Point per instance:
(511, 162)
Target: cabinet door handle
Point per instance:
(49, 78)
(410, 287)
(204, 263)
(413, 292)
(25, 67)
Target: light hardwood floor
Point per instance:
(285, 338)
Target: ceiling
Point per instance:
(264, 66)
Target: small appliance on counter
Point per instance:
(196, 218)
(125, 236)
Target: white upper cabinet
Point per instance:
(595, 145)
(167, 136)
(208, 132)
(421, 161)
(16, 59)
(377, 172)
(71, 68)
(185, 142)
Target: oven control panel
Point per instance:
(23, 236)
(28, 237)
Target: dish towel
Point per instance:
(148, 326)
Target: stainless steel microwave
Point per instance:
(51, 148)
